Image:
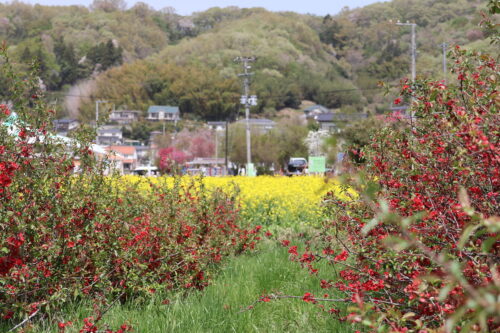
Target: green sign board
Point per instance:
(317, 164)
(251, 172)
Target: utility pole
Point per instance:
(97, 117)
(445, 70)
(413, 49)
(413, 52)
(216, 144)
(247, 100)
(97, 110)
(227, 147)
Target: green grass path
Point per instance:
(239, 284)
(218, 308)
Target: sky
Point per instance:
(318, 7)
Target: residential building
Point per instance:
(144, 155)
(65, 125)
(126, 154)
(163, 113)
(109, 135)
(262, 125)
(153, 135)
(130, 142)
(207, 166)
(334, 122)
(315, 110)
(217, 125)
(124, 116)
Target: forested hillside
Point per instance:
(71, 43)
(199, 74)
(140, 56)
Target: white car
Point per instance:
(296, 166)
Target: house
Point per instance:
(109, 135)
(115, 164)
(124, 116)
(217, 125)
(261, 125)
(144, 154)
(126, 154)
(65, 125)
(207, 166)
(153, 135)
(334, 122)
(163, 113)
(130, 142)
(315, 110)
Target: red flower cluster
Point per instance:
(90, 236)
(420, 226)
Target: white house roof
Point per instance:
(12, 121)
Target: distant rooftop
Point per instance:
(216, 123)
(316, 107)
(110, 130)
(258, 121)
(65, 121)
(163, 108)
(128, 111)
(327, 117)
(206, 161)
(124, 150)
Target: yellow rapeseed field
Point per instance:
(267, 199)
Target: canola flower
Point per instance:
(267, 200)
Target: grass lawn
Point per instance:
(218, 307)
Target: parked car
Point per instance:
(296, 166)
(146, 171)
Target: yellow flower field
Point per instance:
(268, 199)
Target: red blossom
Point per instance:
(342, 256)
(309, 298)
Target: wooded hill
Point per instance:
(140, 56)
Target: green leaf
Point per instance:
(408, 315)
(372, 189)
(396, 243)
(370, 225)
(466, 235)
(443, 293)
(463, 198)
(456, 269)
(489, 242)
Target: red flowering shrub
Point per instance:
(171, 160)
(66, 237)
(418, 250)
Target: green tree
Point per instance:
(354, 137)
(105, 55)
(26, 56)
(109, 5)
(70, 69)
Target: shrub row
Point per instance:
(66, 237)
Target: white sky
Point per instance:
(318, 7)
